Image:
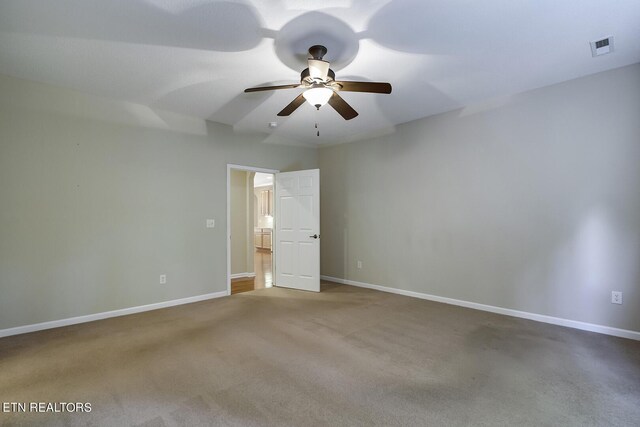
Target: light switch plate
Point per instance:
(616, 297)
(211, 223)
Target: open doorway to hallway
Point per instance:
(263, 231)
(251, 227)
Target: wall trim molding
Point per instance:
(591, 327)
(107, 314)
(239, 275)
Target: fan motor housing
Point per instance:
(305, 77)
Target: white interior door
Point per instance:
(297, 234)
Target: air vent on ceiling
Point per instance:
(602, 46)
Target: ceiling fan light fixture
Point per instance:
(322, 87)
(317, 96)
(318, 69)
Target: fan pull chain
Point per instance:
(317, 132)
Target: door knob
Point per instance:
(315, 236)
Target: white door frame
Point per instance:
(273, 249)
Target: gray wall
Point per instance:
(529, 203)
(98, 198)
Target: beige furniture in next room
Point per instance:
(263, 238)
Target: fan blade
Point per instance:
(371, 87)
(293, 106)
(341, 106)
(262, 88)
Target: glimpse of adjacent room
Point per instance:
(251, 197)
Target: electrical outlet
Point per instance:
(359, 264)
(163, 279)
(616, 297)
(211, 223)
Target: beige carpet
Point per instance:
(346, 356)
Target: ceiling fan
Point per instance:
(321, 87)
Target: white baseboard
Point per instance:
(107, 314)
(607, 330)
(239, 275)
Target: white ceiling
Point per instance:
(195, 57)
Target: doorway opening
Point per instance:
(263, 229)
(250, 226)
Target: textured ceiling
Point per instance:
(195, 57)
